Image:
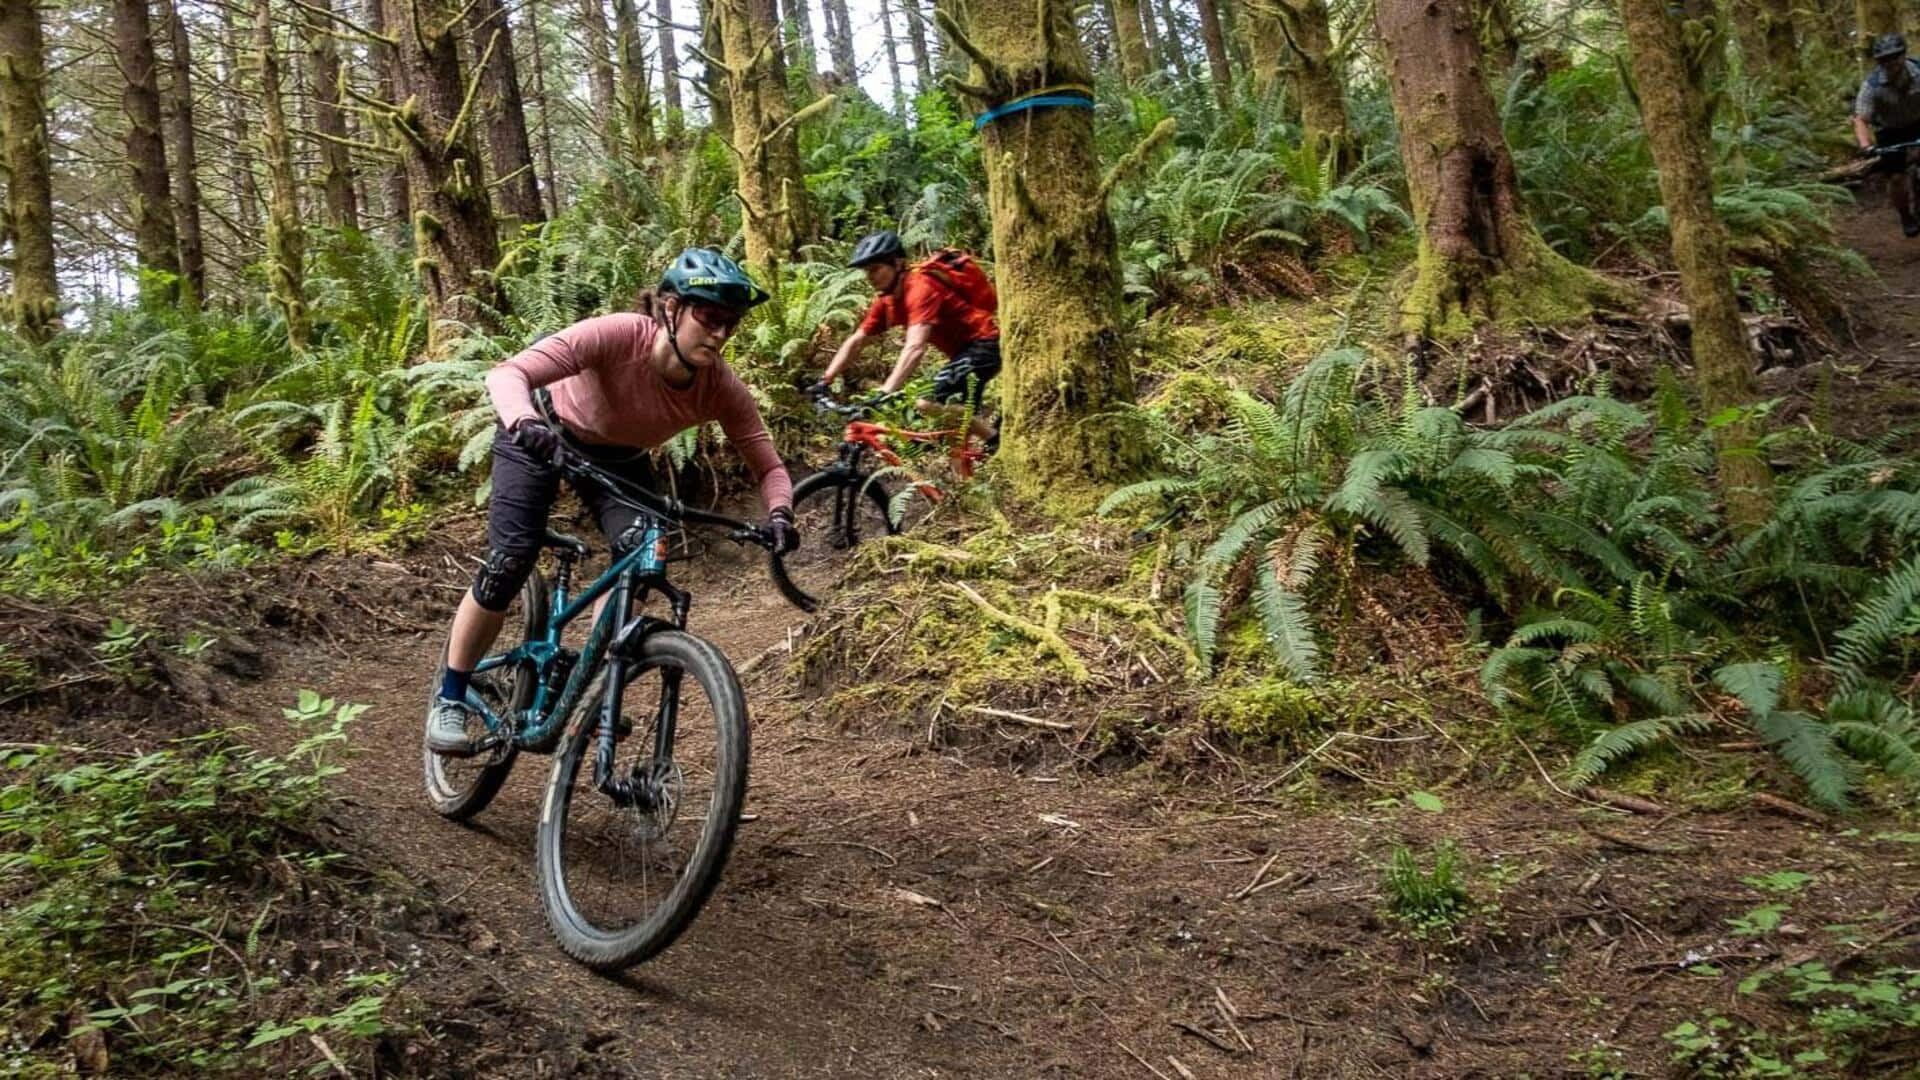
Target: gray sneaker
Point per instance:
(447, 728)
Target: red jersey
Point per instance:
(925, 301)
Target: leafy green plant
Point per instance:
(1427, 899)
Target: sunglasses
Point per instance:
(719, 320)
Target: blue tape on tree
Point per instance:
(1039, 101)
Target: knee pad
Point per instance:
(501, 576)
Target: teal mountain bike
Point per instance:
(648, 728)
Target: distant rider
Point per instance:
(945, 301)
(1886, 113)
(612, 388)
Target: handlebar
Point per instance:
(855, 409)
(574, 464)
(1890, 150)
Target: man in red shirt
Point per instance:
(936, 310)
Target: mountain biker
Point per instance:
(1887, 112)
(926, 300)
(609, 389)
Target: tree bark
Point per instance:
(509, 149)
(1067, 370)
(670, 71)
(1675, 114)
(35, 304)
(1219, 67)
(1317, 77)
(330, 117)
(893, 59)
(915, 12)
(840, 41)
(550, 179)
(601, 96)
(1129, 41)
(1479, 256)
(636, 90)
(1174, 54)
(184, 155)
(239, 136)
(1769, 42)
(286, 247)
(1267, 42)
(772, 189)
(713, 79)
(156, 243)
(456, 243)
(390, 87)
(1150, 26)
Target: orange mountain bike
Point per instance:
(849, 500)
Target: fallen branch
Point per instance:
(1791, 809)
(1021, 718)
(1045, 638)
(1633, 804)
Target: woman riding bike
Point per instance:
(609, 388)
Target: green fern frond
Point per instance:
(1807, 746)
(1615, 744)
(1287, 627)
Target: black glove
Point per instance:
(782, 534)
(818, 389)
(538, 439)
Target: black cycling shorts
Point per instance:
(1888, 137)
(965, 376)
(524, 490)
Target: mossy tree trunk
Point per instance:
(1674, 111)
(389, 86)
(286, 246)
(1174, 54)
(1479, 256)
(550, 180)
(772, 189)
(509, 149)
(713, 80)
(35, 306)
(636, 90)
(670, 72)
(456, 243)
(1316, 72)
(840, 41)
(1066, 370)
(915, 13)
(1130, 41)
(1769, 42)
(185, 158)
(1267, 44)
(330, 116)
(156, 242)
(892, 43)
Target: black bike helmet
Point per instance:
(882, 246)
(706, 275)
(1888, 46)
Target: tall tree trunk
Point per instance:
(286, 273)
(915, 12)
(35, 307)
(509, 149)
(797, 23)
(246, 189)
(185, 157)
(840, 41)
(893, 59)
(1675, 114)
(1174, 53)
(636, 91)
(156, 243)
(601, 96)
(1067, 369)
(670, 71)
(1317, 77)
(456, 243)
(1218, 65)
(1267, 40)
(713, 79)
(1128, 40)
(1479, 256)
(772, 190)
(1150, 25)
(1499, 37)
(330, 117)
(390, 86)
(1769, 44)
(549, 179)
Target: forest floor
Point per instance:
(1088, 923)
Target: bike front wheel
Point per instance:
(459, 788)
(834, 512)
(620, 882)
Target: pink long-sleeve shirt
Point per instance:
(606, 391)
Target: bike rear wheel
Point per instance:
(834, 512)
(459, 788)
(620, 883)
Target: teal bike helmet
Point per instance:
(706, 275)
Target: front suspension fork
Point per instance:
(635, 789)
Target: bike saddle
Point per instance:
(571, 543)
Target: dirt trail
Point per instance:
(1089, 924)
